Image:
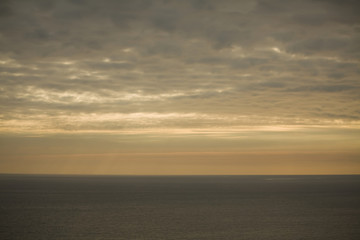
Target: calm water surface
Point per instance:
(179, 207)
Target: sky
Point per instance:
(150, 87)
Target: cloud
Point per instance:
(258, 58)
(5, 9)
(326, 88)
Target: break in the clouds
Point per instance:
(120, 66)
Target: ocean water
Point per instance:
(179, 207)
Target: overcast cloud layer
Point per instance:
(114, 65)
(180, 87)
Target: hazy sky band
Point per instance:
(208, 71)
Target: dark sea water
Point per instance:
(179, 207)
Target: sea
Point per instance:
(36, 207)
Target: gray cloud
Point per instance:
(266, 58)
(326, 88)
